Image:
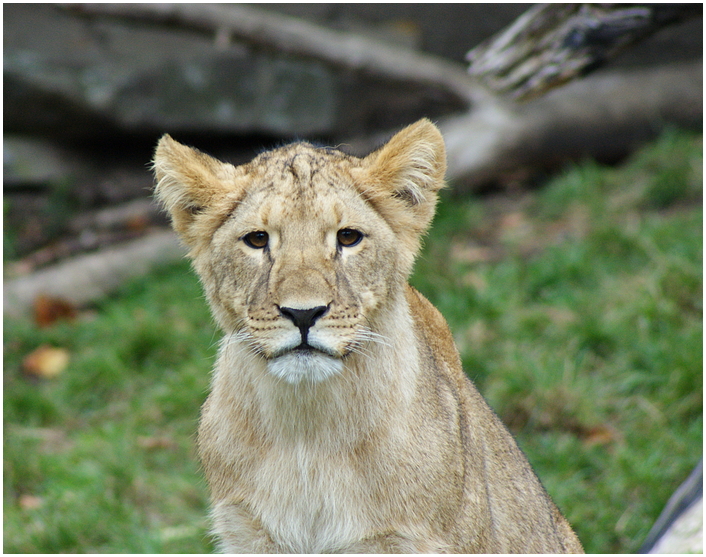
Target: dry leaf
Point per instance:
(600, 435)
(48, 310)
(46, 362)
(137, 223)
(151, 443)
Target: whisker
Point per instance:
(362, 352)
(369, 335)
(242, 337)
(358, 347)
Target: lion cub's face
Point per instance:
(291, 265)
(301, 249)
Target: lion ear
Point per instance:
(193, 187)
(402, 179)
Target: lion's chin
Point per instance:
(311, 366)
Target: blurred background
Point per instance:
(566, 255)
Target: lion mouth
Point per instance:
(305, 362)
(305, 348)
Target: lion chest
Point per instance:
(308, 501)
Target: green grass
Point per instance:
(577, 309)
(108, 446)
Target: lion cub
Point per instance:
(339, 418)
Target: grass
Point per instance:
(108, 446)
(577, 309)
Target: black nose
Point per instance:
(304, 319)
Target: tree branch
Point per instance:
(551, 44)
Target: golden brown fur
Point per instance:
(353, 429)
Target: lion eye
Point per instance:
(349, 237)
(256, 240)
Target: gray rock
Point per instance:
(226, 92)
(79, 77)
(680, 526)
(686, 535)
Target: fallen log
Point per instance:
(83, 279)
(603, 116)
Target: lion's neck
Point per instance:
(369, 395)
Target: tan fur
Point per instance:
(373, 440)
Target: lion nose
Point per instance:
(303, 319)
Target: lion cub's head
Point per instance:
(302, 250)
